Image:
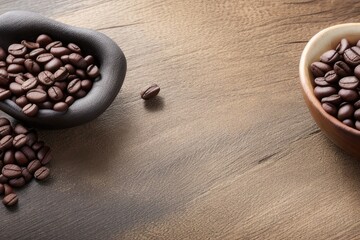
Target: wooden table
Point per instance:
(227, 151)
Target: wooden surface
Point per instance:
(228, 150)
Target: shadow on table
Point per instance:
(156, 104)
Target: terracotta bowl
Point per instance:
(18, 25)
(345, 137)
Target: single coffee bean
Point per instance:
(17, 49)
(80, 73)
(7, 189)
(33, 166)
(74, 86)
(26, 174)
(65, 59)
(15, 68)
(93, 71)
(348, 95)
(80, 94)
(5, 130)
(20, 140)
(331, 77)
(357, 125)
(46, 105)
(20, 129)
(32, 138)
(357, 114)
(89, 60)
(53, 65)
(69, 100)
(17, 182)
(329, 108)
(43, 40)
(29, 84)
(352, 55)
(4, 77)
(30, 45)
(20, 79)
(357, 71)
(9, 59)
(61, 74)
(320, 81)
(16, 89)
(4, 94)
(41, 87)
(19, 61)
(61, 85)
(6, 142)
(9, 157)
(36, 52)
(53, 44)
(55, 93)
(38, 145)
(350, 82)
(70, 68)
(11, 171)
(32, 66)
(2, 64)
(60, 107)
(330, 56)
(2, 54)
(152, 90)
(28, 75)
(36, 95)
(71, 77)
(44, 155)
(29, 152)
(342, 46)
(4, 121)
(349, 122)
(46, 78)
(60, 51)
(21, 159)
(73, 47)
(87, 84)
(27, 56)
(44, 57)
(10, 200)
(357, 104)
(3, 179)
(333, 99)
(77, 60)
(42, 173)
(30, 109)
(345, 112)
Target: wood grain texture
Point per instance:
(227, 151)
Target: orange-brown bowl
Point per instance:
(345, 137)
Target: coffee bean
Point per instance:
(342, 46)
(42, 173)
(61, 85)
(9, 59)
(330, 56)
(43, 40)
(17, 182)
(46, 105)
(60, 107)
(61, 74)
(32, 66)
(20, 140)
(16, 89)
(53, 45)
(5, 130)
(350, 82)
(9, 157)
(352, 55)
(152, 90)
(4, 94)
(19, 61)
(4, 77)
(93, 71)
(36, 52)
(31, 138)
(60, 51)
(345, 112)
(87, 84)
(20, 79)
(29, 152)
(65, 59)
(46, 78)
(80, 94)
(15, 68)
(30, 45)
(29, 84)
(17, 49)
(30, 109)
(7, 188)
(331, 77)
(53, 65)
(80, 73)
(69, 100)
(70, 68)
(71, 77)
(77, 60)
(333, 99)
(41, 87)
(357, 125)
(348, 95)
(36, 95)
(3, 179)
(4, 121)
(28, 75)
(89, 60)
(20, 129)
(21, 159)
(6, 142)
(44, 155)
(74, 86)
(55, 93)
(2, 54)
(33, 166)
(2, 65)
(44, 57)
(10, 200)
(329, 108)
(38, 145)
(11, 171)
(73, 47)
(26, 174)
(320, 81)
(349, 122)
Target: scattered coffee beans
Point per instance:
(337, 82)
(22, 157)
(45, 74)
(150, 91)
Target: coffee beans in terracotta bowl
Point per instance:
(329, 74)
(53, 75)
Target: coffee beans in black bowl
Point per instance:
(58, 75)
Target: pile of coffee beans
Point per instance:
(337, 82)
(45, 74)
(22, 157)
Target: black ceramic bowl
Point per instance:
(18, 25)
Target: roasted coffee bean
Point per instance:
(345, 112)
(61, 74)
(61, 85)
(33, 166)
(15, 68)
(30, 109)
(19, 61)
(350, 82)
(38, 145)
(43, 40)
(29, 84)
(17, 49)
(4, 77)
(10, 200)
(20, 140)
(71, 77)
(6, 142)
(93, 71)
(348, 95)
(80, 94)
(60, 107)
(5, 130)
(320, 81)
(70, 68)
(36, 52)
(2, 54)
(2, 65)
(4, 121)
(32, 66)
(77, 60)
(69, 100)
(20, 129)
(357, 125)
(53, 65)
(74, 48)
(4, 94)
(16, 89)
(28, 75)
(330, 56)
(41, 87)
(42, 173)
(3, 179)
(329, 108)
(21, 159)
(55, 93)
(53, 45)
(342, 46)
(46, 78)
(36, 95)
(44, 155)
(31, 138)
(7, 189)
(64, 59)
(352, 55)
(60, 51)
(20, 79)
(11, 171)
(152, 90)
(357, 114)
(30, 45)
(44, 57)
(333, 99)
(331, 77)
(357, 104)
(46, 105)
(29, 152)
(89, 60)
(357, 71)
(80, 73)
(349, 122)
(27, 56)
(17, 182)
(87, 84)
(26, 174)
(9, 59)
(74, 86)
(9, 157)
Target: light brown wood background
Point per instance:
(227, 151)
